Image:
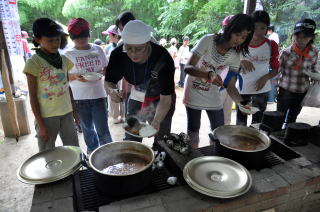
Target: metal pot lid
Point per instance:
(217, 176)
(50, 165)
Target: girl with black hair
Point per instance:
(123, 19)
(256, 75)
(209, 57)
(47, 76)
(296, 60)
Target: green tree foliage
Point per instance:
(100, 14)
(174, 18)
(30, 10)
(284, 14)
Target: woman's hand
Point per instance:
(116, 95)
(217, 80)
(261, 82)
(156, 124)
(77, 77)
(247, 66)
(80, 78)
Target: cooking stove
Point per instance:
(87, 196)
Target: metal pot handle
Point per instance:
(84, 160)
(213, 136)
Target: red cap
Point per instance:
(77, 25)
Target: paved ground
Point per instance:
(16, 196)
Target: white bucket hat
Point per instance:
(136, 32)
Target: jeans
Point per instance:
(259, 101)
(216, 119)
(273, 92)
(94, 122)
(182, 76)
(290, 104)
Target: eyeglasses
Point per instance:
(136, 50)
(306, 25)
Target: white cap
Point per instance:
(173, 40)
(136, 32)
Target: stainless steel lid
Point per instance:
(50, 165)
(217, 176)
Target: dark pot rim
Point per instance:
(248, 130)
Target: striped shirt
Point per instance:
(199, 93)
(295, 80)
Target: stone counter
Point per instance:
(292, 186)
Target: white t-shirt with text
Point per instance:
(91, 60)
(198, 93)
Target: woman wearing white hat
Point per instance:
(150, 69)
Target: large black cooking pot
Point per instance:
(241, 143)
(122, 168)
(272, 121)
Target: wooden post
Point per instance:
(249, 6)
(11, 106)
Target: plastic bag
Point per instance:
(312, 98)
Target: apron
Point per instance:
(152, 98)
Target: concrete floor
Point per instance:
(16, 196)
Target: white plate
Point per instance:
(92, 76)
(313, 75)
(252, 109)
(142, 134)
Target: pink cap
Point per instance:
(24, 34)
(226, 20)
(111, 30)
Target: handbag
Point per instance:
(312, 98)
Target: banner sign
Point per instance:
(11, 26)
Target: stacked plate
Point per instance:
(251, 110)
(145, 131)
(50, 165)
(217, 177)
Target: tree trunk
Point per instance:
(249, 6)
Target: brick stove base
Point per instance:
(293, 186)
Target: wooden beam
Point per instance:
(10, 104)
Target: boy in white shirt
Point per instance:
(89, 95)
(183, 55)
